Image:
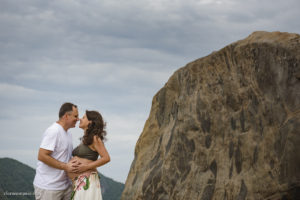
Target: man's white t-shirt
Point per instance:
(59, 141)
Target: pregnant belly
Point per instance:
(81, 160)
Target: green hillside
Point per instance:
(16, 182)
(111, 190)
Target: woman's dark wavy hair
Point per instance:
(96, 127)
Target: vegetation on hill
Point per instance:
(16, 180)
(111, 190)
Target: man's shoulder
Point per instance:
(53, 128)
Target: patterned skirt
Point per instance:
(87, 186)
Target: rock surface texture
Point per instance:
(226, 126)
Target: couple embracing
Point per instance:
(64, 173)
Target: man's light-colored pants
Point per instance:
(41, 194)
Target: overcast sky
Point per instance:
(111, 56)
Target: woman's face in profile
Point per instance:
(84, 122)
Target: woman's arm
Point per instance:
(104, 157)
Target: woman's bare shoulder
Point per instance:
(97, 140)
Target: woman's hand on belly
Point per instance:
(82, 166)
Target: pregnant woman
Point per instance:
(86, 183)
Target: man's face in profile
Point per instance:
(72, 117)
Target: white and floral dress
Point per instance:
(87, 186)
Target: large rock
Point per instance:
(226, 126)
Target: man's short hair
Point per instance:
(66, 107)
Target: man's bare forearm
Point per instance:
(49, 160)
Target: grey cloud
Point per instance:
(61, 32)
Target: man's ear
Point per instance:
(65, 117)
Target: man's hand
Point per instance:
(72, 166)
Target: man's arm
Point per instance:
(45, 156)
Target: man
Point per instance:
(51, 180)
